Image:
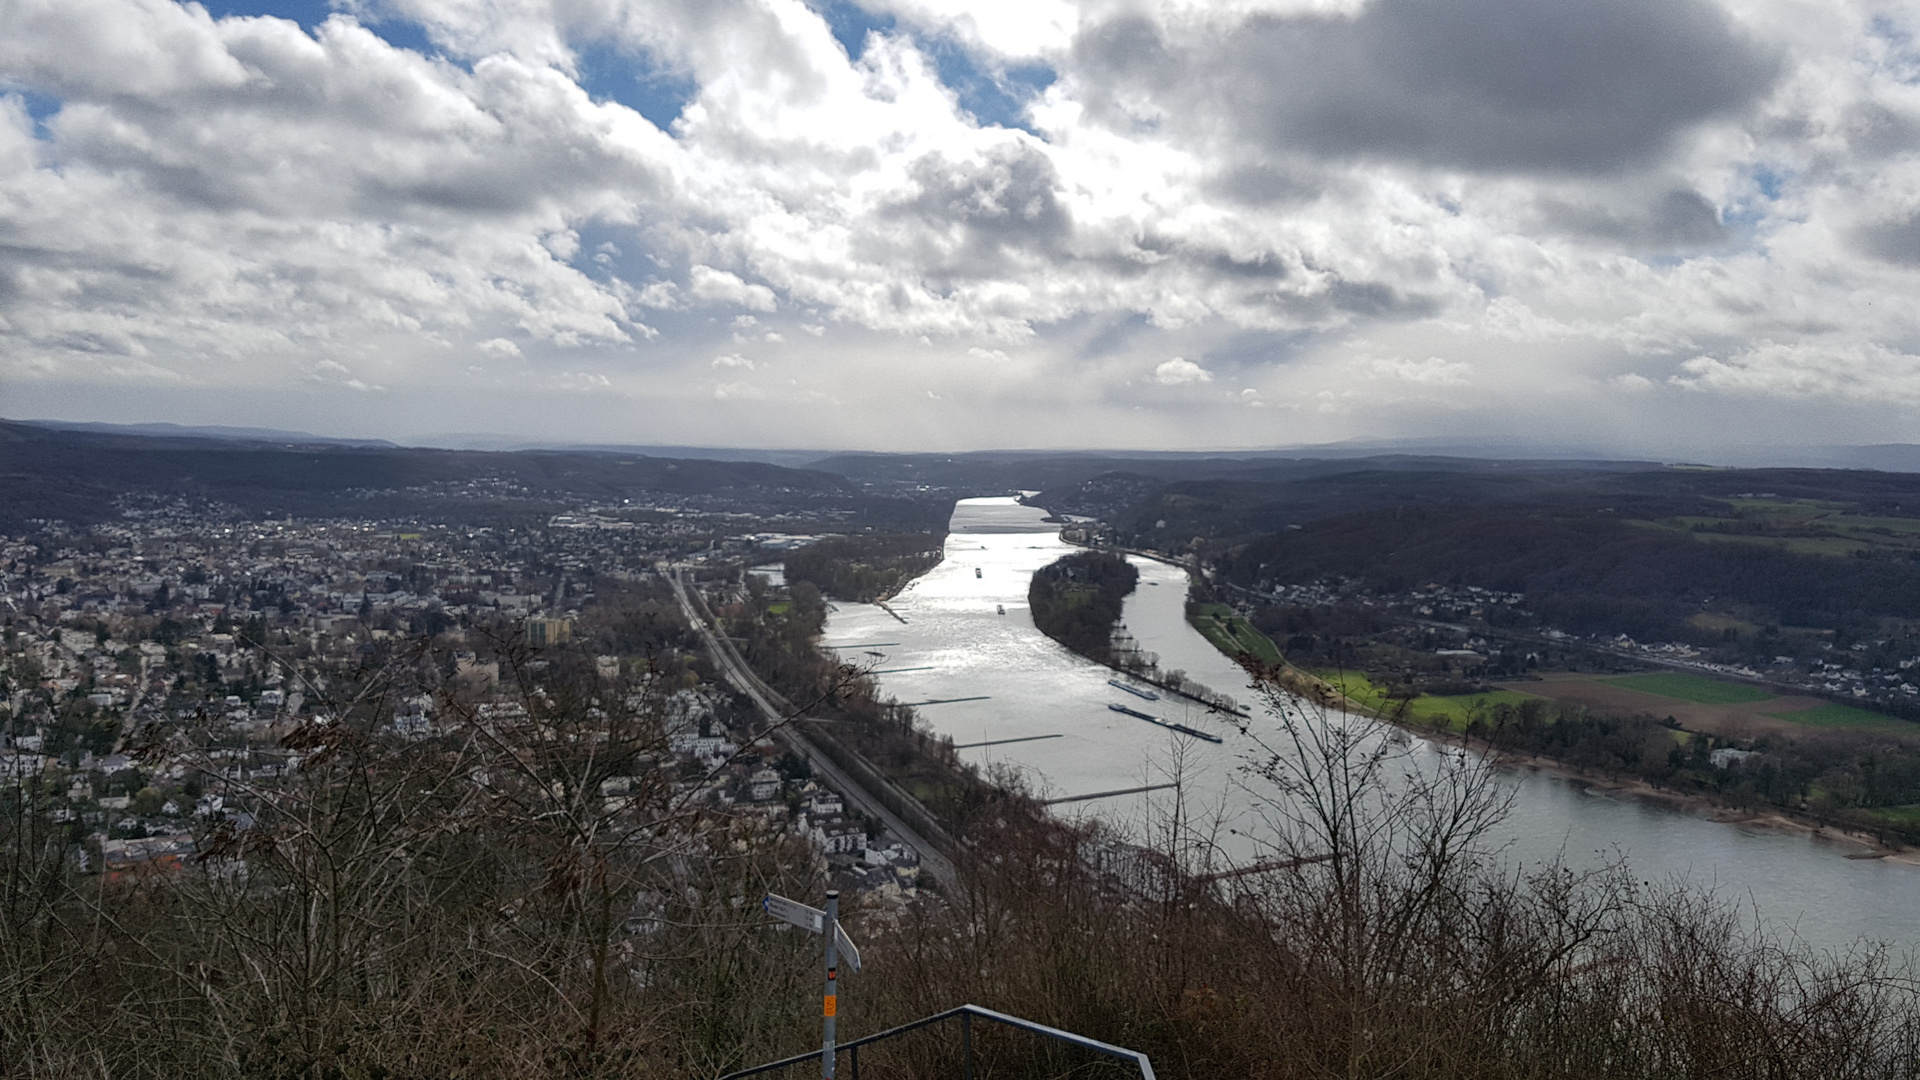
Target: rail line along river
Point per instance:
(968, 642)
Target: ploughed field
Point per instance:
(1698, 703)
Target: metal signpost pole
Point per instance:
(831, 1004)
(839, 945)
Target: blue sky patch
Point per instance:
(399, 33)
(653, 91)
(615, 251)
(308, 13)
(403, 35)
(1743, 218)
(995, 98)
(850, 24)
(40, 109)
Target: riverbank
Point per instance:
(1078, 601)
(1229, 640)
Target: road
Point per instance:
(742, 677)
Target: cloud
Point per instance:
(1844, 371)
(1677, 219)
(986, 216)
(1896, 240)
(1552, 196)
(732, 360)
(1433, 371)
(737, 391)
(330, 371)
(719, 286)
(582, 381)
(1029, 29)
(1179, 371)
(1495, 85)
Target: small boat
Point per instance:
(1134, 690)
(1000, 608)
(1169, 725)
(976, 571)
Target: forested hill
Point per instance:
(865, 568)
(1150, 510)
(1078, 599)
(78, 476)
(1613, 548)
(1590, 571)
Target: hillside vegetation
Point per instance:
(88, 476)
(1629, 548)
(865, 568)
(473, 905)
(1077, 600)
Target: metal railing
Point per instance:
(966, 1014)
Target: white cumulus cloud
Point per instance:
(1180, 370)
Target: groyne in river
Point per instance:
(954, 644)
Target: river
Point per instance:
(954, 643)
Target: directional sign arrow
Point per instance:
(811, 919)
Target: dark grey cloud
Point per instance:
(1377, 300)
(1491, 85)
(1341, 299)
(1896, 241)
(1262, 267)
(1875, 130)
(1677, 220)
(980, 216)
(1255, 185)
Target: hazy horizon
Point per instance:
(1659, 229)
(1893, 457)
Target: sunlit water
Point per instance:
(955, 644)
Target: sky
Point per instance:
(1679, 228)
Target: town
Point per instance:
(1475, 632)
(155, 663)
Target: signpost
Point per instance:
(827, 924)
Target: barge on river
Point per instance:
(1168, 724)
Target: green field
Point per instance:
(1452, 711)
(1900, 817)
(1841, 716)
(1459, 709)
(1681, 686)
(1355, 687)
(1233, 634)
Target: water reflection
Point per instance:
(959, 644)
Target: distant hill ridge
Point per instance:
(213, 431)
(76, 475)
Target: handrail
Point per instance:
(966, 1013)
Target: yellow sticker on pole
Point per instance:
(832, 999)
